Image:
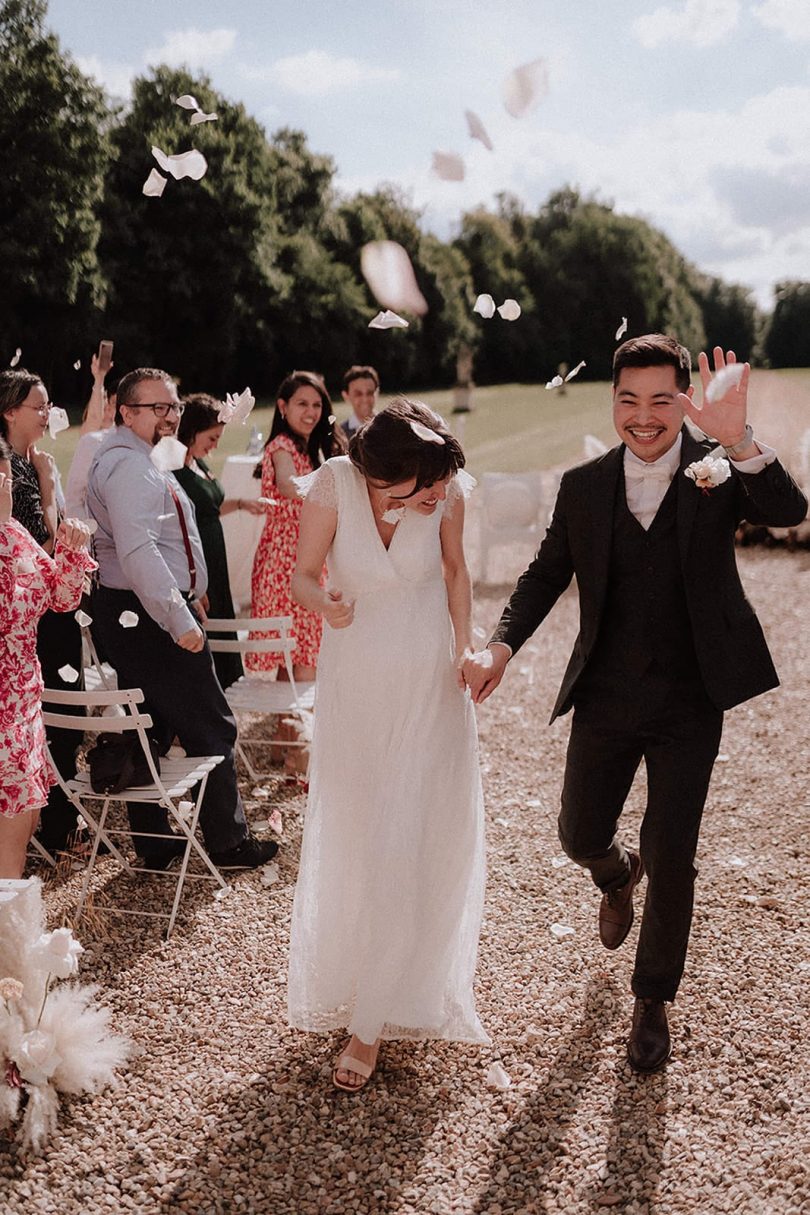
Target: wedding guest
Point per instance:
(301, 438)
(151, 566)
(99, 415)
(200, 431)
(668, 642)
(31, 583)
(390, 889)
(361, 390)
(24, 410)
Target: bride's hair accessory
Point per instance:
(424, 432)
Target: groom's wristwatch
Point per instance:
(745, 441)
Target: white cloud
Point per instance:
(116, 78)
(316, 73)
(192, 47)
(700, 23)
(789, 17)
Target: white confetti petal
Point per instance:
(188, 102)
(82, 619)
(68, 673)
(448, 166)
(154, 185)
(91, 525)
(242, 404)
(622, 330)
(525, 87)
(575, 371)
(185, 809)
(479, 634)
(128, 620)
(169, 454)
(425, 433)
(394, 515)
(182, 164)
(477, 129)
(560, 930)
(534, 802)
(222, 893)
(387, 320)
(498, 1078)
(484, 306)
(15, 358)
(171, 515)
(201, 117)
(557, 862)
(276, 823)
(57, 421)
(269, 874)
(388, 271)
(502, 822)
(726, 379)
(593, 447)
(77, 365)
(226, 411)
(509, 310)
(555, 382)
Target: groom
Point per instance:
(667, 642)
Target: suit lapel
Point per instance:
(688, 493)
(604, 487)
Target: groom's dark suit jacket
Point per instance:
(732, 654)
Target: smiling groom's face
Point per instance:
(646, 411)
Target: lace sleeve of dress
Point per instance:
(319, 487)
(67, 579)
(459, 488)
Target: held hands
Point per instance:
(336, 613)
(73, 534)
(193, 640)
(723, 419)
(483, 671)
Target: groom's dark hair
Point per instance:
(654, 350)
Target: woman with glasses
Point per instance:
(24, 410)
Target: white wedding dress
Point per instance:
(390, 890)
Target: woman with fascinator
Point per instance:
(388, 904)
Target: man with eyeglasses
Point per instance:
(151, 564)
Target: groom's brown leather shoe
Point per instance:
(616, 908)
(648, 1046)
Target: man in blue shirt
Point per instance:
(151, 564)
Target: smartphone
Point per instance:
(105, 350)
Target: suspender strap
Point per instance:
(192, 569)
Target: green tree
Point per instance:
(54, 148)
(730, 315)
(787, 343)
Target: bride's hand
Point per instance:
(336, 613)
(462, 657)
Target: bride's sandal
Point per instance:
(348, 1063)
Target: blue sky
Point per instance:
(692, 113)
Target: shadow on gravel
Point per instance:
(634, 1150)
(527, 1168)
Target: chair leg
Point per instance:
(42, 851)
(91, 860)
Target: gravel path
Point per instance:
(226, 1110)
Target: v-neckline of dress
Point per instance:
(385, 547)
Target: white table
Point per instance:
(241, 529)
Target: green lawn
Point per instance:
(516, 427)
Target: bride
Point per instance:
(388, 904)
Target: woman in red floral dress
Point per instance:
(301, 438)
(31, 582)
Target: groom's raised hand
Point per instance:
(483, 671)
(723, 418)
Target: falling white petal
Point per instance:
(393, 515)
(557, 862)
(57, 421)
(128, 620)
(222, 893)
(622, 330)
(593, 447)
(479, 634)
(155, 184)
(183, 164)
(560, 930)
(525, 88)
(387, 320)
(91, 525)
(82, 619)
(477, 129)
(484, 306)
(226, 410)
(269, 874)
(169, 454)
(424, 432)
(68, 673)
(498, 1078)
(576, 371)
(388, 271)
(555, 383)
(188, 102)
(202, 117)
(162, 518)
(509, 310)
(15, 358)
(448, 166)
(726, 379)
(242, 405)
(77, 365)
(276, 822)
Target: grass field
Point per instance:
(517, 427)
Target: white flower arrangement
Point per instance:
(52, 1040)
(708, 472)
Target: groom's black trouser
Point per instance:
(676, 731)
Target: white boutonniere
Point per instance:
(708, 472)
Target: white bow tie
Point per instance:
(647, 472)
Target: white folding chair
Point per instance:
(98, 676)
(255, 693)
(170, 787)
(513, 509)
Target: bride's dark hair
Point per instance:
(389, 448)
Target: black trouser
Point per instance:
(676, 731)
(184, 699)
(59, 644)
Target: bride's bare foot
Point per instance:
(355, 1052)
